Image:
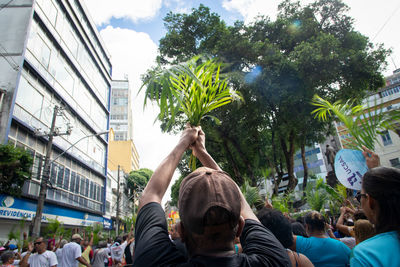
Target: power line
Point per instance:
(386, 22)
(5, 5)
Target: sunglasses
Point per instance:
(359, 195)
(38, 243)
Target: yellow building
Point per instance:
(122, 153)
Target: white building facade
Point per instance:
(60, 61)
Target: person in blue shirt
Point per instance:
(319, 248)
(380, 200)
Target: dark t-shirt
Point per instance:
(154, 248)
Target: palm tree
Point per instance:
(192, 89)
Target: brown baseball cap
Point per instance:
(203, 189)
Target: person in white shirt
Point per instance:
(118, 248)
(72, 253)
(58, 252)
(43, 257)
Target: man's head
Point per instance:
(174, 231)
(209, 208)
(40, 245)
(76, 238)
(7, 257)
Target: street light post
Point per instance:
(46, 172)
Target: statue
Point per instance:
(330, 154)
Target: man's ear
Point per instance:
(181, 231)
(240, 227)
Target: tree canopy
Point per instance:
(277, 66)
(138, 179)
(15, 169)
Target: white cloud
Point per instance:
(131, 9)
(133, 53)
(252, 8)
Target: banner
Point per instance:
(18, 208)
(350, 167)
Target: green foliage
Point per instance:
(15, 165)
(54, 227)
(277, 66)
(17, 234)
(130, 222)
(193, 87)
(362, 123)
(321, 194)
(96, 229)
(283, 202)
(138, 179)
(175, 191)
(252, 195)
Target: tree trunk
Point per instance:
(242, 155)
(289, 158)
(279, 172)
(305, 167)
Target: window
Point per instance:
(73, 177)
(77, 181)
(395, 163)
(66, 179)
(60, 176)
(386, 139)
(53, 174)
(29, 98)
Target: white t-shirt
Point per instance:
(117, 251)
(46, 259)
(59, 256)
(70, 253)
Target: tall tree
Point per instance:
(280, 65)
(138, 179)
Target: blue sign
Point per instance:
(350, 167)
(17, 208)
(107, 223)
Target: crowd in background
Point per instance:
(218, 227)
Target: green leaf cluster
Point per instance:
(194, 87)
(15, 169)
(252, 195)
(138, 179)
(363, 123)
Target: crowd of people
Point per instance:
(78, 252)
(217, 226)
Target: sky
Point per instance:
(131, 30)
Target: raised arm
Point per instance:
(340, 223)
(162, 176)
(200, 152)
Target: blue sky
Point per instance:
(155, 26)
(131, 30)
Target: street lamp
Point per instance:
(37, 221)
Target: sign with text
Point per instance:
(350, 167)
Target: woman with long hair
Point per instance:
(380, 201)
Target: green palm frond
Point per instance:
(362, 123)
(251, 194)
(194, 87)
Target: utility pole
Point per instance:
(118, 200)
(46, 172)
